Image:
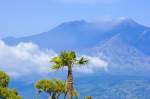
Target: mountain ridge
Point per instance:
(125, 46)
(76, 35)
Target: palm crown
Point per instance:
(67, 59)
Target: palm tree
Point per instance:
(68, 59)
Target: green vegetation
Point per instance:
(68, 59)
(54, 88)
(87, 97)
(4, 79)
(5, 92)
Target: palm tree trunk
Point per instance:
(70, 83)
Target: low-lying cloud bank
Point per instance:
(28, 59)
(24, 59)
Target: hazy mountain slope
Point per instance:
(124, 44)
(135, 35)
(121, 57)
(128, 89)
(81, 34)
(71, 35)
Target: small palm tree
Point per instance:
(68, 59)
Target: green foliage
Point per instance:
(5, 92)
(59, 86)
(75, 94)
(4, 79)
(82, 61)
(67, 58)
(88, 97)
(9, 94)
(53, 87)
(44, 86)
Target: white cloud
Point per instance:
(28, 59)
(95, 63)
(23, 59)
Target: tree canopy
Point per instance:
(54, 88)
(5, 92)
(4, 79)
(88, 97)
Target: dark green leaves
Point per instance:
(82, 61)
(9, 94)
(68, 55)
(4, 79)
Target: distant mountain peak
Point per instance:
(76, 22)
(127, 22)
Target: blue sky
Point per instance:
(27, 17)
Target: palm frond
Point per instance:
(75, 94)
(82, 61)
(56, 66)
(57, 63)
(56, 60)
(68, 56)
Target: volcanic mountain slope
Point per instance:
(72, 35)
(122, 58)
(124, 44)
(81, 34)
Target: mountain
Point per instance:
(78, 35)
(70, 35)
(82, 34)
(122, 57)
(124, 44)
